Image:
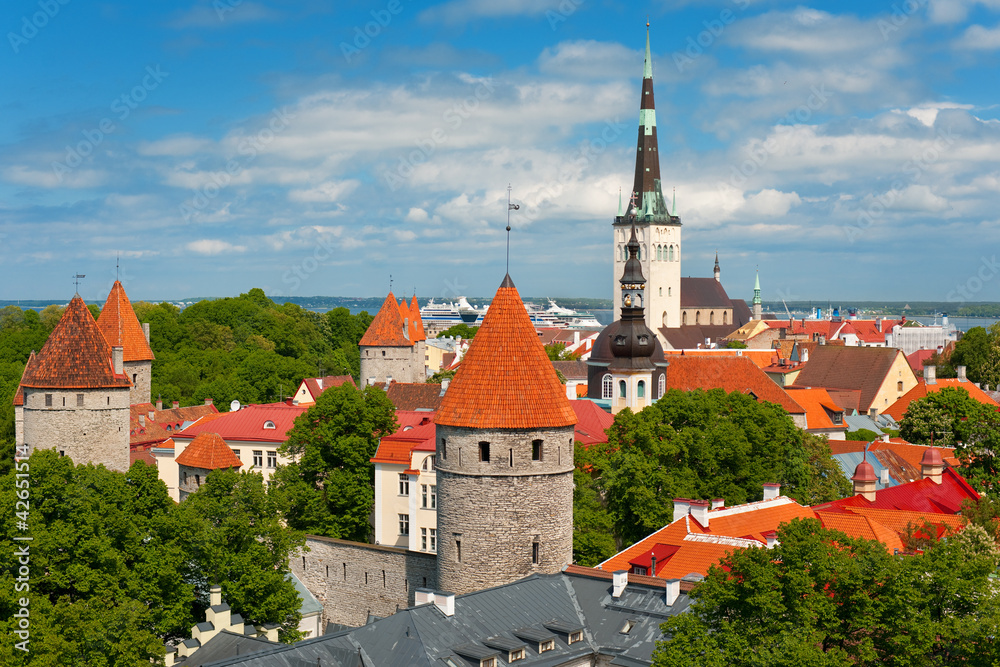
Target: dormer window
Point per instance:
(269, 424)
(575, 637)
(515, 655)
(547, 645)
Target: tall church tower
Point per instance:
(658, 230)
(505, 432)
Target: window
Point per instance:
(638, 570)
(423, 540)
(516, 654)
(899, 386)
(484, 452)
(434, 496)
(711, 317)
(458, 548)
(546, 645)
(258, 458)
(661, 386)
(670, 254)
(488, 662)
(670, 290)
(697, 317)
(607, 386)
(640, 389)
(404, 484)
(269, 425)
(236, 452)
(134, 376)
(838, 418)
(536, 450)
(661, 291)
(684, 317)
(428, 463)
(404, 524)
(622, 389)
(434, 539)
(444, 448)
(272, 459)
(48, 400)
(197, 480)
(185, 475)
(575, 637)
(79, 400)
(534, 553)
(423, 495)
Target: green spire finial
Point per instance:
(756, 288)
(619, 202)
(647, 67)
(674, 212)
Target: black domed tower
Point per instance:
(626, 366)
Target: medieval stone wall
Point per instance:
(18, 425)
(141, 375)
(352, 580)
(95, 432)
(502, 519)
(402, 364)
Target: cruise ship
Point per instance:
(462, 311)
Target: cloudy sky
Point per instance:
(849, 150)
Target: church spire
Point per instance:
(757, 304)
(646, 187)
(716, 272)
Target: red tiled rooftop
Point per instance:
(413, 395)
(121, 327)
(818, 406)
(591, 422)
(210, 452)
(415, 432)
(248, 423)
(19, 394)
(898, 409)
(76, 355)
(862, 368)
(317, 386)
(388, 328)
(760, 358)
(506, 380)
(688, 372)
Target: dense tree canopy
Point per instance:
(823, 598)
(116, 567)
(706, 444)
(979, 352)
(329, 488)
(952, 418)
(462, 330)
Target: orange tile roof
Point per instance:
(760, 358)
(817, 402)
(506, 380)
(898, 409)
(898, 520)
(416, 323)
(688, 372)
(121, 327)
(210, 452)
(386, 329)
(76, 355)
(591, 422)
(853, 525)
(415, 432)
(19, 394)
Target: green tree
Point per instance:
(705, 444)
(736, 345)
(240, 543)
(329, 488)
(823, 598)
(979, 352)
(463, 330)
(558, 352)
(593, 530)
(441, 376)
(862, 434)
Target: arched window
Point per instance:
(607, 386)
(661, 291)
(670, 291)
(711, 317)
(640, 389)
(622, 389)
(661, 386)
(670, 254)
(684, 318)
(697, 317)
(428, 463)
(269, 424)
(725, 317)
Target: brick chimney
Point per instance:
(118, 359)
(930, 374)
(772, 491)
(699, 512)
(209, 401)
(931, 465)
(681, 507)
(159, 403)
(175, 405)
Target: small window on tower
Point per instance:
(607, 386)
(484, 452)
(536, 450)
(79, 400)
(48, 400)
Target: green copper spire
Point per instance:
(756, 289)
(674, 212)
(620, 213)
(647, 67)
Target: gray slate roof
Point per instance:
(424, 637)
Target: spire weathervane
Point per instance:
(390, 282)
(76, 281)
(510, 207)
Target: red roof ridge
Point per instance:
(506, 380)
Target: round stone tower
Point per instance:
(504, 458)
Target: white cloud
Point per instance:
(590, 59)
(979, 38)
(417, 215)
(50, 178)
(331, 191)
(214, 247)
(770, 202)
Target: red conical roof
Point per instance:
(506, 380)
(121, 327)
(210, 452)
(76, 355)
(386, 329)
(416, 322)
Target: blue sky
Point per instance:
(849, 150)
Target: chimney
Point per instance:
(772, 538)
(423, 596)
(883, 477)
(699, 512)
(864, 481)
(159, 402)
(931, 465)
(445, 602)
(718, 503)
(878, 324)
(619, 580)
(772, 491)
(681, 507)
(214, 596)
(673, 588)
(142, 420)
(118, 359)
(151, 416)
(804, 356)
(145, 331)
(576, 338)
(885, 437)
(208, 401)
(960, 370)
(929, 374)
(319, 382)
(652, 565)
(175, 405)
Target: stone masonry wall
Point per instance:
(490, 514)
(96, 432)
(18, 425)
(395, 362)
(352, 579)
(142, 384)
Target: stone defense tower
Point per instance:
(658, 231)
(121, 328)
(76, 393)
(394, 346)
(626, 365)
(504, 458)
